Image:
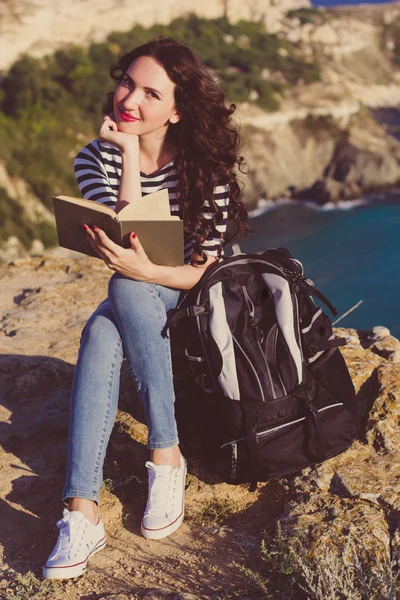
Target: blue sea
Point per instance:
(351, 253)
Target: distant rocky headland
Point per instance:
(306, 122)
(40, 28)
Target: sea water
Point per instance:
(352, 253)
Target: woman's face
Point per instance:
(144, 100)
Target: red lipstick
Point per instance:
(127, 117)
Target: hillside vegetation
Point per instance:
(50, 107)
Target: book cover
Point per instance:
(160, 234)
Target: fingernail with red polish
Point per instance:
(133, 234)
(85, 227)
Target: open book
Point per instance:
(160, 234)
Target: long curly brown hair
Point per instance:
(206, 138)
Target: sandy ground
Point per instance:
(44, 304)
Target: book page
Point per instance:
(153, 206)
(141, 217)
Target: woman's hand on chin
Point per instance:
(124, 141)
(131, 262)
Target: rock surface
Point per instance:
(322, 143)
(319, 158)
(348, 505)
(17, 189)
(39, 27)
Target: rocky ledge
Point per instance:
(326, 156)
(342, 514)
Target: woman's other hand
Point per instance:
(124, 141)
(131, 262)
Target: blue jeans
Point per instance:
(128, 323)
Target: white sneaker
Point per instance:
(78, 540)
(166, 500)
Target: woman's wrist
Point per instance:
(182, 278)
(153, 272)
(130, 147)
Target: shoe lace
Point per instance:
(161, 491)
(71, 534)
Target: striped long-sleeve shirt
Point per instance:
(98, 173)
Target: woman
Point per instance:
(166, 125)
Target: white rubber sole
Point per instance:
(159, 534)
(70, 571)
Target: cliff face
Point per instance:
(40, 27)
(322, 135)
(319, 158)
(344, 511)
(17, 189)
(33, 212)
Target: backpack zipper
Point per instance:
(273, 429)
(272, 343)
(259, 336)
(234, 459)
(317, 411)
(295, 303)
(276, 360)
(252, 312)
(251, 365)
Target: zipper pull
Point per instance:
(313, 410)
(258, 332)
(252, 316)
(234, 458)
(311, 407)
(182, 300)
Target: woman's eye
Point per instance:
(152, 94)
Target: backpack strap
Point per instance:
(313, 349)
(314, 292)
(250, 414)
(182, 313)
(254, 458)
(301, 282)
(319, 445)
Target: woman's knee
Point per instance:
(124, 292)
(100, 330)
(101, 346)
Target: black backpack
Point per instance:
(273, 393)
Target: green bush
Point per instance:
(289, 570)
